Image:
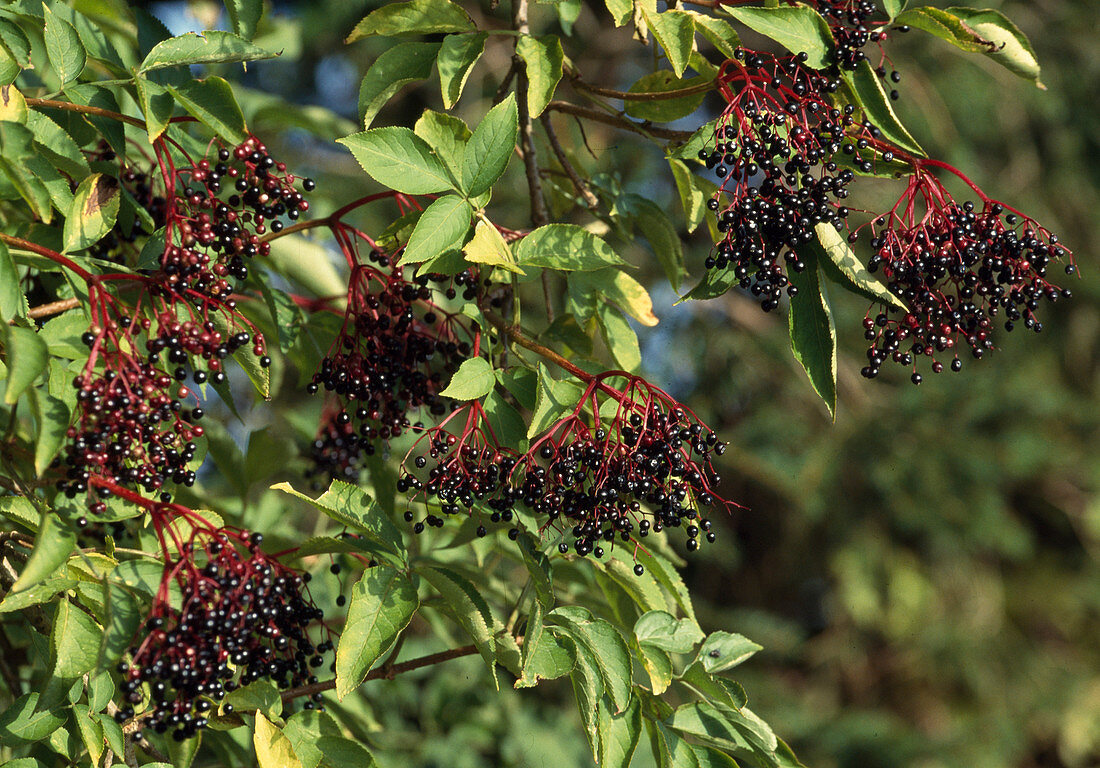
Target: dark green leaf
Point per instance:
(74, 642)
(472, 381)
(506, 422)
(664, 110)
(51, 420)
(416, 17)
(813, 335)
(399, 159)
(57, 145)
(798, 29)
(157, 105)
(718, 32)
(490, 147)
(395, 68)
(457, 57)
(21, 724)
(210, 47)
(605, 644)
(661, 235)
(441, 228)
(245, 16)
(565, 247)
(543, 58)
(211, 101)
(876, 106)
(63, 47)
(26, 356)
(353, 507)
(93, 213)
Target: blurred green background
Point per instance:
(924, 572)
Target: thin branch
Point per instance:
(645, 128)
(53, 308)
(98, 111)
(590, 200)
(519, 337)
(611, 93)
(388, 674)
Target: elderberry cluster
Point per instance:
(775, 159)
(957, 270)
(395, 353)
(244, 617)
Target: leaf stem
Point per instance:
(645, 128)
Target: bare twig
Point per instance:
(53, 308)
(579, 184)
(644, 128)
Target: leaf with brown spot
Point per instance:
(93, 213)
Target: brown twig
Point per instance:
(590, 200)
(519, 337)
(53, 308)
(644, 128)
(611, 93)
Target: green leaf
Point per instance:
(273, 749)
(553, 400)
(462, 600)
(661, 629)
(244, 16)
(708, 757)
(538, 566)
(383, 602)
(876, 107)
(210, 47)
(694, 192)
(42, 592)
(617, 734)
(546, 655)
(565, 247)
(157, 105)
(63, 47)
(718, 33)
(211, 101)
(399, 159)
(675, 31)
(543, 58)
(725, 650)
(442, 227)
(13, 106)
(661, 235)
(20, 510)
(490, 147)
(12, 301)
(621, 339)
(472, 381)
(15, 42)
(664, 110)
(979, 31)
(798, 29)
(674, 752)
(21, 723)
(457, 57)
(621, 10)
(487, 246)
(353, 507)
(506, 422)
(51, 422)
(120, 613)
(447, 136)
(606, 645)
(74, 642)
(9, 67)
(57, 145)
(94, 212)
(841, 264)
(395, 68)
(416, 17)
(894, 7)
(813, 335)
(26, 356)
(714, 283)
(619, 287)
(91, 95)
(658, 667)
(91, 732)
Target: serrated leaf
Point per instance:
(416, 17)
(211, 102)
(490, 147)
(617, 734)
(447, 136)
(621, 10)
(565, 247)
(63, 47)
(894, 7)
(13, 106)
(658, 667)
(157, 105)
(694, 192)
(539, 568)
(546, 655)
(57, 145)
(51, 422)
(661, 629)
(813, 334)
(718, 32)
(543, 58)
(619, 287)
(273, 749)
(675, 31)
(664, 110)
(74, 641)
(13, 303)
(798, 29)
(397, 158)
(507, 424)
(441, 228)
(469, 609)
(352, 506)
(607, 647)
(395, 68)
(473, 380)
(93, 213)
(26, 356)
(382, 604)
(245, 16)
(553, 399)
(487, 246)
(457, 57)
(725, 650)
(21, 723)
(620, 338)
(867, 87)
(840, 263)
(210, 47)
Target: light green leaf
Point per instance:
(63, 47)
(51, 421)
(93, 213)
(416, 17)
(442, 227)
(546, 655)
(718, 33)
(383, 602)
(538, 566)
(472, 381)
(21, 723)
(210, 47)
(447, 136)
(157, 105)
(26, 356)
(399, 159)
(457, 57)
(694, 192)
(56, 145)
(619, 287)
(354, 507)
(841, 264)
(553, 399)
(12, 301)
(812, 332)
(13, 106)
(658, 666)
(867, 87)
(675, 31)
(565, 247)
(621, 11)
(661, 629)
(211, 101)
(621, 339)
(725, 650)
(894, 7)
(798, 29)
(543, 58)
(617, 734)
(462, 600)
(487, 246)
(490, 147)
(273, 749)
(606, 645)
(395, 68)
(74, 641)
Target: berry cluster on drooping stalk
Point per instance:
(596, 478)
(959, 268)
(242, 616)
(396, 351)
(774, 157)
